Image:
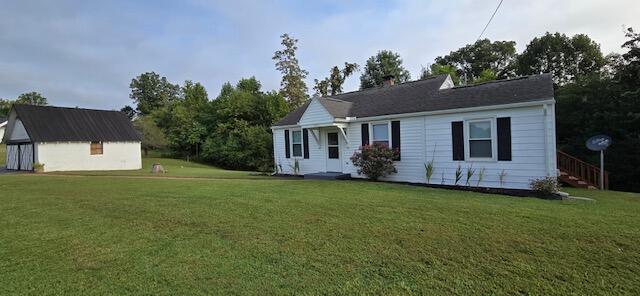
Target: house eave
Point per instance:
(541, 102)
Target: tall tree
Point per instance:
(437, 69)
(151, 92)
(241, 137)
(333, 84)
(184, 120)
(32, 98)
(566, 58)
(152, 136)
(292, 86)
(472, 59)
(129, 111)
(384, 63)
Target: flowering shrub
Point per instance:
(374, 161)
(546, 185)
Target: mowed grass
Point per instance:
(118, 235)
(174, 168)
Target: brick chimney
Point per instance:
(387, 80)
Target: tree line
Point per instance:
(594, 93)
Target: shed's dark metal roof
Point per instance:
(59, 124)
(426, 95)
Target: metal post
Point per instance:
(601, 169)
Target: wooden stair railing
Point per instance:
(578, 173)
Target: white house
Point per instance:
(506, 128)
(70, 139)
(3, 125)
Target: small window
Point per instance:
(480, 139)
(296, 143)
(381, 134)
(96, 148)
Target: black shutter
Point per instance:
(365, 134)
(457, 140)
(287, 147)
(305, 142)
(504, 138)
(395, 137)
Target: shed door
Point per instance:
(26, 157)
(13, 162)
(20, 157)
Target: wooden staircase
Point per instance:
(577, 173)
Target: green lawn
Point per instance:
(119, 235)
(174, 168)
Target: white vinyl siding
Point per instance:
(315, 114)
(75, 156)
(429, 137)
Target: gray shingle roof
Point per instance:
(53, 124)
(426, 95)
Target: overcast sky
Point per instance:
(85, 54)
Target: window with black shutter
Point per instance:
(287, 147)
(504, 138)
(457, 140)
(395, 138)
(365, 133)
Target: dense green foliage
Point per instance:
(150, 92)
(565, 57)
(292, 87)
(384, 63)
(30, 98)
(603, 104)
(152, 136)
(241, 136)
(124, 235)
(472, 59)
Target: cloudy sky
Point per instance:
(84, 53)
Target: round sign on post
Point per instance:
(600, 143)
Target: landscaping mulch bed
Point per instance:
(487, 190)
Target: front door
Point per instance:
(333, 152)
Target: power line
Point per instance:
(490, 19)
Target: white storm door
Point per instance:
(333, 150)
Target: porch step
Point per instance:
(328, 176)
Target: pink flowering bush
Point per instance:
(374, 161)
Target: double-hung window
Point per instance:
(380, 133)
(296, 143)
(481, 139)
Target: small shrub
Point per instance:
(502, 176)
(374, 161)
(458, 175)
(470, 172)
(429, 169)
(429, 166)
(295, 167)
(480, 176)
(547, 186)
(38, 167)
